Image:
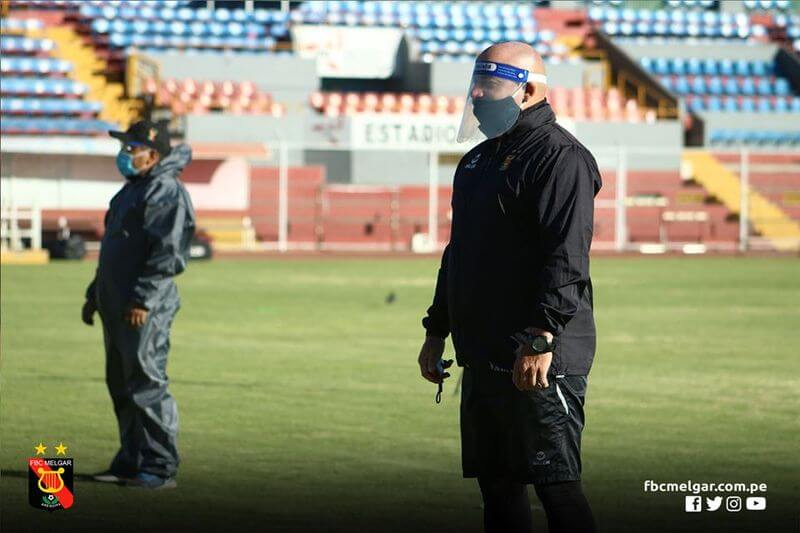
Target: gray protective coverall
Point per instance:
(149, 228)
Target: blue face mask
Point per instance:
(125, 163)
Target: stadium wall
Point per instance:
(71, 181)
(785, 122)
(682, 49)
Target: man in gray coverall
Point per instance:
(148, 230)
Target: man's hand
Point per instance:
(429, 357)
(530, 368)
(87, 313)
(136, 315)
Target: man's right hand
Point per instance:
(87, 313)
(429, 357)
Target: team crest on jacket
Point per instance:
(50, 480)
(473, 162)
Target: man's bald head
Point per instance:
(520, 55)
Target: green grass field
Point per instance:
(302, 408)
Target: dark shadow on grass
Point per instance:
(14, 473)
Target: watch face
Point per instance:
(539, 344)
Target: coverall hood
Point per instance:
(174, 163)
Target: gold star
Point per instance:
(40, 449)
(61, 449)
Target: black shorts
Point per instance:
(527, 436)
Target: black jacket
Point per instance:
(523, 208)
(149, 228)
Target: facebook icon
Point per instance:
(694, 504)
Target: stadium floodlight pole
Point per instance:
(620, 218)
(433, 199)
(744, 199)
(283, 188)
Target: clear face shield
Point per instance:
(491, 109)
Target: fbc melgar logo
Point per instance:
(50, 479)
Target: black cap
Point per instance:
(152, 134)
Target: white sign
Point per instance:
(347, 51)
(406, 131)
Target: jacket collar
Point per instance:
(531, 118)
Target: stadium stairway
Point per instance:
(233, 232)
(88, 69)
(768, 219)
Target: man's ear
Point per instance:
(530, 89)
(154, 158)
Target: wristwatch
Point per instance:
(540, 344)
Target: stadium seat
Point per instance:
(20, 25)
(201, 97)
(24, 45)
(54, 126)
(42, 86)
(750, 85)
(48, 106)
(33, 65)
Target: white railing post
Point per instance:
(283, 197)
(36, 227)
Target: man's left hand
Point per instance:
(530, 368)
(136, 316)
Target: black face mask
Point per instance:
(495, 116)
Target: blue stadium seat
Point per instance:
(696, 105)
(43, 86)
(764, 87)
(55, 126)
(742, 67)
(710, 67)
(694, 67)
(48, 106)
(15, 45)
(730, 105)
(782, 87)
(27, 65)
(661, 66)
(20, 25)
(748, 87)
(715, 85)
(731, 86)
(726, 67)
(698, 85)
(764, 105)
(720, 136)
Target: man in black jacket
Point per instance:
(515, 294)
(149, 228)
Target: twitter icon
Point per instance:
(712, 504)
